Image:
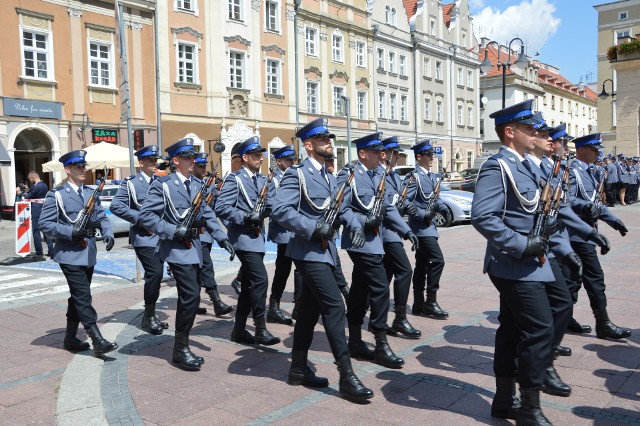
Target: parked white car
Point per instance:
(458, 204)
(118, 225)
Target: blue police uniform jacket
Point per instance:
(218, 234)
(501, 218)
(583, 190)
(38, 191)
(389, 231)
(613, 173)
(163, 211)
(237, 197)
(277, 233)
(418, 194)
(126, 204)
(303, 197)
(60, 210)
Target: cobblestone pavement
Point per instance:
(447, 378)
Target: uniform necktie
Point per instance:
(255, 180)
(527, 165)
(323, 173)
(370, 173)
(187, 184)
(80, 194)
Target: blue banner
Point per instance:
(31, 108)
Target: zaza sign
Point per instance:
(104, 135)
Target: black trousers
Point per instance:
(153, 270)
(525, 334)
(396, 264)
(255, 282)
(37, 238)
(79, 308)
(592, 275)
(609, 190)
(319, 296)
(337, 274)
(368, 286)
(186, 277)
(282, 272)
(207, 277)
(429, 267)
(560, 302)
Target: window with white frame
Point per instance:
(36, 54)
(187, 63)
(393, 106)
(235, 10)
(360, 54)
(387, 14)
(460, 115)
(236, 70)
(427, 108)
(621, 34)
(470, 120)
(432, 27)
(438, 70)
(470, 79)
(311, 41)
(380, 59)
(393, 17)
(439, 111)
(392, 62)
(337, 48)
(312, 97)
(382, 104)
(623, 15)
(362, 105)
(338, 93)
(403, 65)
(271, 15)
(469, 159)
(426, 67)
(188, 5)
(273, 77)
(460, 76)
(404, 113)
(100, 64)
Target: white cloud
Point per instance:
(476, 4)
(533, 21)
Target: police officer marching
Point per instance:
(207, 277)
(236, 207)
(126, 204)
(504, 215)
(304, 196)
(285, 158)
(166, 212)
(75, 248)
(421, 206)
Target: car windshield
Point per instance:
(444, 187)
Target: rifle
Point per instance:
(262, 199)
(194, 209)
(405, 191)
(376, 210)
(212, 175)
(87, 211)
(598, 201)
(433, 198)
(545, 203)
(331, 214)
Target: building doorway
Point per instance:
(32, 149)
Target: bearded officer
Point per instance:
(163, 212)
(302, 200)
(75, 249)
(126, 205)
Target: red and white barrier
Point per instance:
(23, 228)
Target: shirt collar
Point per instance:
(316, 164)
(182, 178)
(533, 159)
(73, 186)
(147, 178)
(423, 169)
(249, 172)
(581, 163)
(513, 152)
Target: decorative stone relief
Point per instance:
(290, 14)
(273, 47)
(74, 13)
(238, 104)
(237, 38)
(323, 36)
(255, 5)
(186, 30)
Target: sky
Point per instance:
(563, 32)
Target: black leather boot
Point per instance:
(275, 315)
(148, 325)
(263, 337)
(301, 374)
(605, 328)
(239, 334)
(219, 307)
(100, 345)
(161, 324)
(182, 355)
(357, 348)
(418, 301)
(506, 404)
(236, 285)
(402, 326)
(530, 412)
(350, 386)
(575, 327)
(553, 384)
(431, 309)
(383, 354)
(71, 342)
(562, 351)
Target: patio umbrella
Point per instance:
(99, 156)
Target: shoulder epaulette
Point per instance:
(163, 179)
(58, 188)
(129, 177)
(296, 166)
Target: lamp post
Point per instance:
(86, 125)
(346, 108)
(604, 94)
(522, 62)
(296, 7)
(454, 48)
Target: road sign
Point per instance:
(23, 228)
(437, 150)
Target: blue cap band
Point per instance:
(75, 160)
(285, 154)
(314, 131)
(508, 118)
(249, 148)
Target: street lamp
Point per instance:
(296, 7)
(522, 62)
(346, 109)
(604, 94)
(86, 125)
